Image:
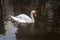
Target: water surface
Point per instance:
(30, 32)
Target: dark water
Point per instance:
(31, 32)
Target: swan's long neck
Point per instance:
(32, 17)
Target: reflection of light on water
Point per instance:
(2, 37)
(27, 28)
(10, 31)
(11, 35)
(32, 28)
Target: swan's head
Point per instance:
(33, 12)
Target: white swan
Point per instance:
(22, 18)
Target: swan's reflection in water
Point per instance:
(26, 28)
(30, 31)
(35, 32)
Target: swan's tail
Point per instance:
(14, 18)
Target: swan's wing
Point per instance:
(14, 18)
(17, 19)
(24, 17)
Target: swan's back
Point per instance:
(24, 17)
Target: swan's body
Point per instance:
(23, 18)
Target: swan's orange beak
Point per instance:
(35, 14)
